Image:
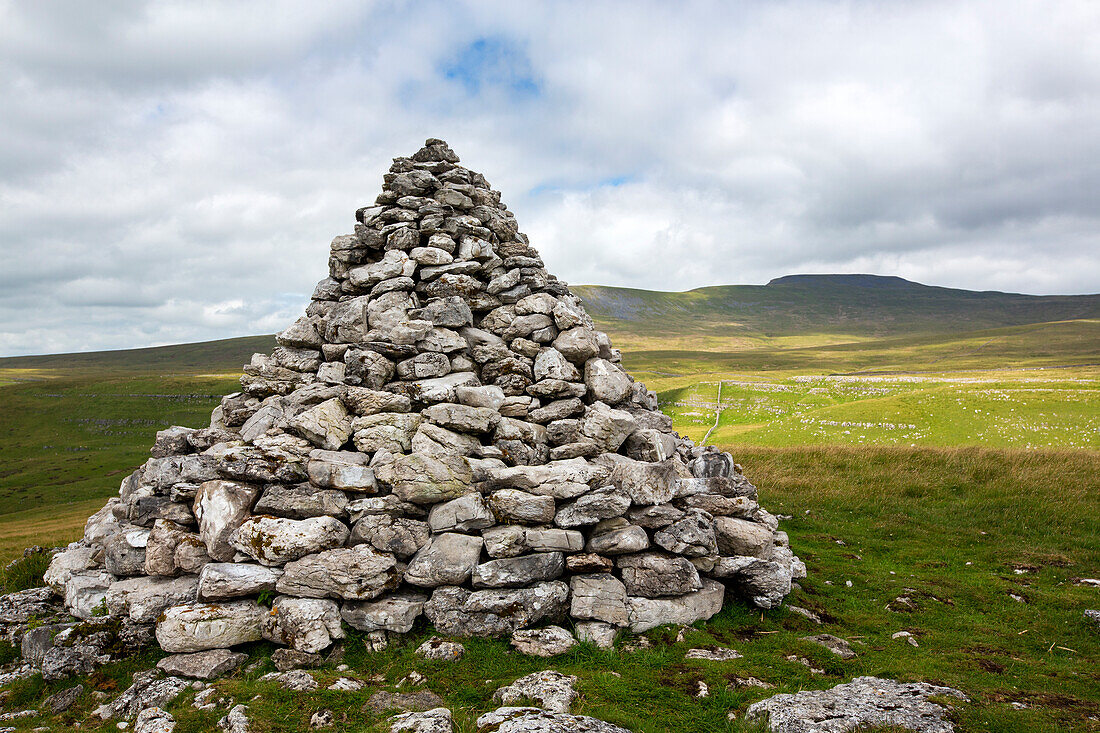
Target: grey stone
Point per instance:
(494, 613)
(305, 624)
(427, 480)
(125, 552)
(235, 721)
(143, 599)
(652, 575)
(301, 501)
(551, 539)
(600, 598)
(221, 507)
(463, 514)
(391, 431)
(436, 720)
(59, 702)
(386, 533)
(607, 382)
(195, 627)
(296, 680)
(742, 537)
(147, 691)
(353, 573)
(553, 691)
(835, 644)
(513, 505)
(341, 470)
(577, 344)
(327, 425)
(863, 702)
(519, 571)
(607, 427)
(534, 720)
(649, 613)
(286, 659)
(363, 401)
(604, 503)
(601, 634)
(441, 650)
(616, 537)
(463, 417)
(418, 701)
(396, 613)
(548, 641)
(648, 483)
(205, 665)
(449, 559)
(221, 581)
(692, 536)
(275, 540)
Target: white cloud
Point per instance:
(174, 171)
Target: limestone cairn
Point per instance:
(443, 433)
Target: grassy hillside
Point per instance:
(811, 310)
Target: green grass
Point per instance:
(946, 528)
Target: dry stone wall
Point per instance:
(443, 433)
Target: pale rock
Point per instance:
(648, 483)
(456, 611)
(548, 641)
(205, 665)
(390, 431)
(224, 580)
(652, 575)
(296, 680)
(436, 720)
(354, 573)
(577, 344)
(363, 401)
(600, 598)
(616, 537)
(519, 571)
(742, 537)
(463, 514)
(692, 536)
(341, 470)
(607, 382)
(221, 507)
(327, 425)
(513, 505)
(396, 613)
(596, 505)
(598, 633)
(427, 480)
(441, 650)
(608, 427)
(143, 599)
(387, 533)
(649, 613)
(276, 540)
(195, 627)
(449, 559)
(462, 418)
(301, 501)
(304, 624)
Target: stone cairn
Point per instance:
(443, 433)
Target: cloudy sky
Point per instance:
(175, 171)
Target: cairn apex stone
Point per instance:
(445, 432)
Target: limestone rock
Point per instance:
(221, 507)
(548, 641)
(652, 575)
(195, 627)
(436, 720)
(742, 537)
(395, 613)
(449, 559)
(276, 540)
(494, 613)
(863, 702)
(649, 613)
(599, 598)
(304, 624)
(221, 581)
(534, 720)
(441, 650)
(355, 573)
(553, 691)
(143, 599)
(397, 535)
(206, 665)
(516, 572)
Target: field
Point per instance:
(942, 458)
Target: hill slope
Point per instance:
(802, 310)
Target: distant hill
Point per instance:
(789, 312)
(867, 306)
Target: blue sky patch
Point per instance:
(492, 63)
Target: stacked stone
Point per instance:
(444, 432)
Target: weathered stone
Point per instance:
(275, 540)
(205, 665)
(520, 571)
(441, 650)
(652, 575)
(428, 480)
(463, 514)
(449, 559)
(720, 506)
(301, 501)
(386, 533)
(297, 680)
(143, 599)
(513, 505)
(607, 427)
(419, 701)
(354, 573)
(607, 382)
(692, 536)
(219, 581)
(601, 634)
(534, 720)
(436, 720)
(864, 702)
(392, 431)
(327, 425)
(235, 721)
(125, 552)
(221, 507)
(648, 483)
(835, 644)
(305, 624)
(363, 401)
(396, 613)
(194, 627)
(598, 597)
(494, 613)
(548, 641)
(341, 470)
(73, 559)
(550, 540)
(604, 503)
(59, 702)
(647, 444)
(649, 613)
(86, 592)
(147, 691)
(741, 537)
(654, 517)
(616, 537)
(577, 344)
(491, 396)
(463, 417)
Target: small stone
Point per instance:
(436, 720)
(418, 701)
(205, 665)
(439, 649)
(713, 654)
(295, 679)
(553, 691)
(322, 719)
(545, 642)
(286, 659)
(835, 644)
